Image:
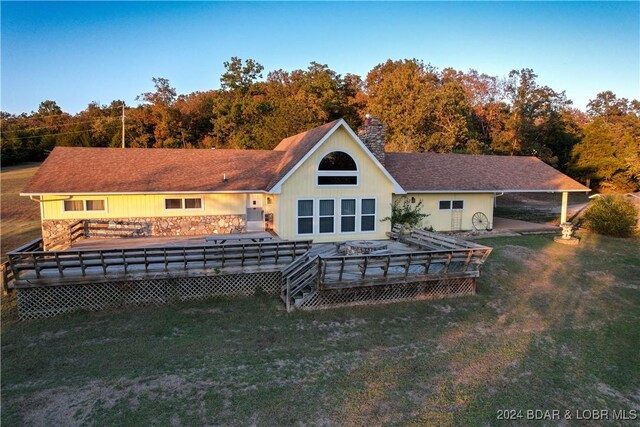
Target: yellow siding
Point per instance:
(440, 220)
(150, 205)
(302, 185)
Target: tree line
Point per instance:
(425, 109)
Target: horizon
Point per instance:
(79, 53)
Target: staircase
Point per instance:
(299, 281)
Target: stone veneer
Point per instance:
(372, 135)
(58, 230)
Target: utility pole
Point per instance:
(123, 125)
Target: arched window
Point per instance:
(337, 168)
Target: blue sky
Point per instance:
(75, 53)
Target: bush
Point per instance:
(612, 216)
(406, 214)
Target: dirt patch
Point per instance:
(76, 405)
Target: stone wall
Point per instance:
(372, 135)
(56, 232)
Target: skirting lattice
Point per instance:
(390, 293)
(47, 301)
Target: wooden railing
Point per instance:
(430, 240)
(368, 270)
(300, 274)
(63, 241)
(6, 278)
(57, 266)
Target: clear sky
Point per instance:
(75, 53)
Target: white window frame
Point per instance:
(337, 216)
(312, 216)
(375, 215)
(326, 216)
(355, 214)
(84, 205)
(451, 208)
(182, 204)
(320, 173)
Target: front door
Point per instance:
(255, 212)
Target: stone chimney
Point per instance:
(372, 134)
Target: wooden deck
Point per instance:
(42, 268)
(323, 275)
(418, 265)
(100, 243)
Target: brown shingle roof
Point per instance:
(131, 170)
(427, 172)
(297, 146)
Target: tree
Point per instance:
(163, 118)
(239, 76)
(398, 94)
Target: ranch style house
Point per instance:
(327, 184)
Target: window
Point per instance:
(73, 205)
(187, 203)
(451, 204)
(458, 204)
(84, 205)
(173, 203)
(348, 215)
(368, 215)
(327, 216)
(95, 205)
(193, 203)
(337, 168)
(305, 216)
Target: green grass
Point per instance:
(20, 217)
(552, 327)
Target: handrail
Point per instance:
(6, 277)
(54, 263)
(372, 269)
(297, 276)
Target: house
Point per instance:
(327, 184)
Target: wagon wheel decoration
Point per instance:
(480, 221)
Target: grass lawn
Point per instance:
(552, 327)
(20, 216)
(536, 207)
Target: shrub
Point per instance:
(612, 216)
(406, 214)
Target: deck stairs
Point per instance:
(299, 280)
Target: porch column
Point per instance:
(563, 212)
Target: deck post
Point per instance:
(563, 212)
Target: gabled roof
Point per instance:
(300, 147)
(294, 148)
(81, 170)
(432, 172)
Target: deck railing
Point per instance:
(56, 266)
(368, 270)
(299, 275)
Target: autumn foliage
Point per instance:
(425, 109)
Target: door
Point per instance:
(255, 212)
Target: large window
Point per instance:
(337, 168)
(305, 216)
(84, 205)
(183, 203)
(327, 216)
(368, 215)
(348, 216)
